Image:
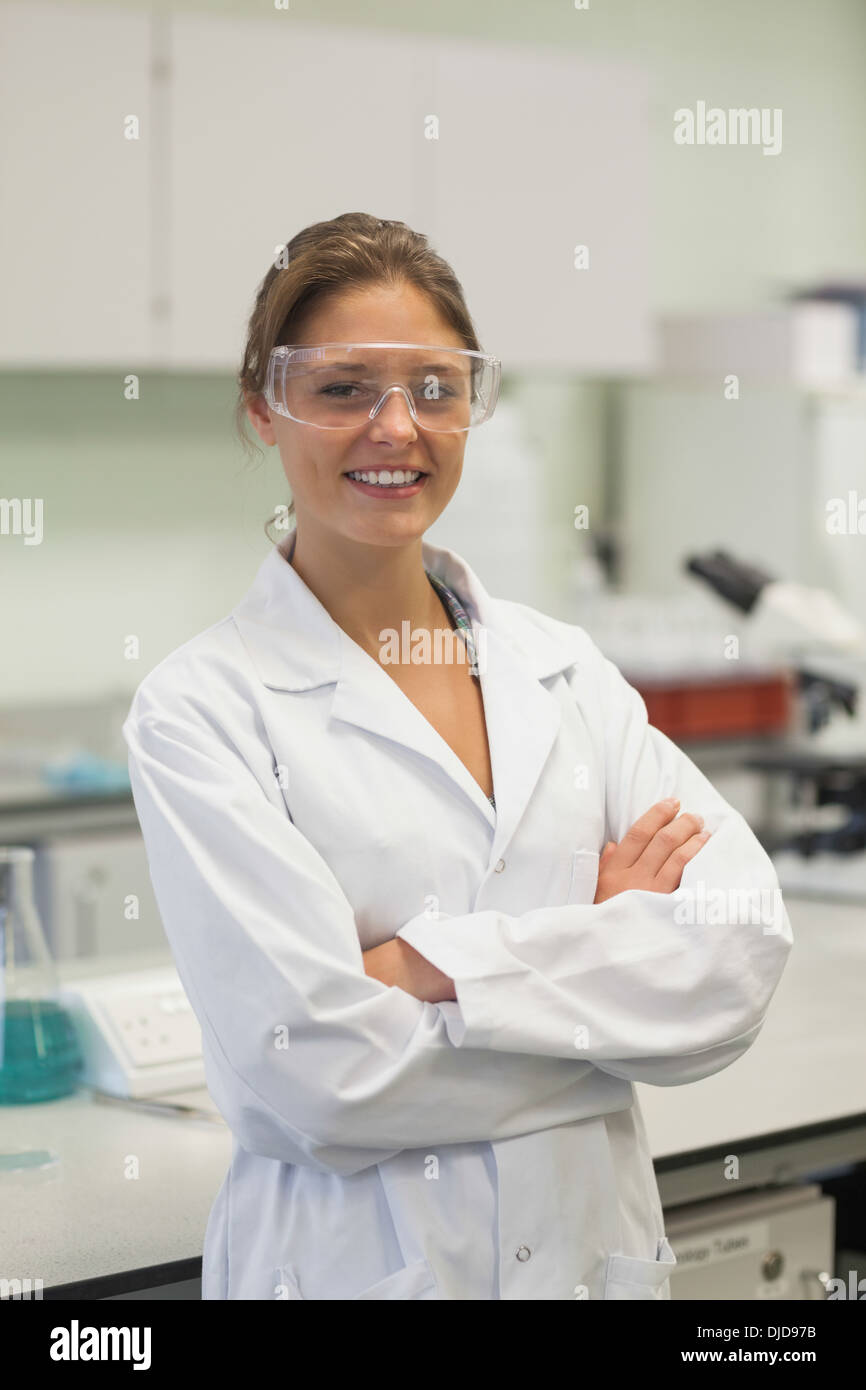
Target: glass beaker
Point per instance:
(40, 1058)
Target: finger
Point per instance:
(669, 839)
(670, 874)
(638, 836)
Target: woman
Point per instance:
(424, 996)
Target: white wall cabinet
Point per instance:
(539, 153)
(273, 126)
(508, 157)
(125, 252)
(76, 209)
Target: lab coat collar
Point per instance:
(295, 644)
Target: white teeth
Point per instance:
(386, 477)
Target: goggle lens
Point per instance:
(343, 386)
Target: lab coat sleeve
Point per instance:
(309, 1059)
(650, 987)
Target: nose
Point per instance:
(393, 417)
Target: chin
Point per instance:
(393, 533)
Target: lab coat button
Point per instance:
(499, 867)
(523, 1252)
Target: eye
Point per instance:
(443, 392)
(339, 389)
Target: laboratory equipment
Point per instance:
(39, 1054)
(775, 1244)
(138, 1032)
(790, 612)
(824, 852)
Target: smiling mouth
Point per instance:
(387, 477)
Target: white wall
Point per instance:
(157, 530)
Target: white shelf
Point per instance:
(809, 344)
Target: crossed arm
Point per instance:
(650, 856)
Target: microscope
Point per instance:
(819, 766)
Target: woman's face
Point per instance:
(316, 461)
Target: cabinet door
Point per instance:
(538, 153)
(274, 126)
(75, 224)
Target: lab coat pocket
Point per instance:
(286, 1285)
(584, 876)
(415, 1280)
(628, 1277)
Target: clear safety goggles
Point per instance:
(340, 386)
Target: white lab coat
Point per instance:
(297, 809)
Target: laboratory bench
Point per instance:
(121, 1211)
(30, 811)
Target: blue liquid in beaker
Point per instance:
(41, 1058)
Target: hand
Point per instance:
(397, 963)
(652, 854)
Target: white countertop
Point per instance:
(85, 1217)
(808, 1063)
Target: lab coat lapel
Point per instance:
(296, 645)
(518, 649)
(522, 717)
(523, 720)
(367, 697)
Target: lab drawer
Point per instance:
(766, 1245)
(94, 896)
